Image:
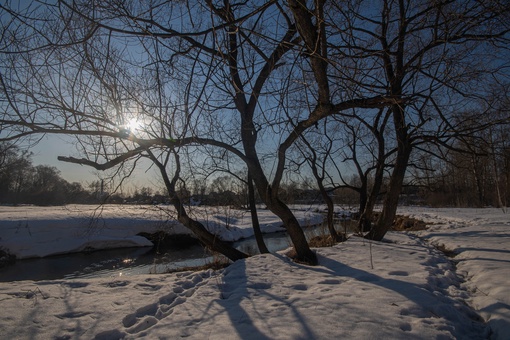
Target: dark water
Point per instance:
(104, 263)
(130, 261)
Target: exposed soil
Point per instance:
(448, 252)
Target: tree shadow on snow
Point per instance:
(472, 233)
(236, 291)
(421, 294)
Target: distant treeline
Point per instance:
(21, 182)
(462, 180)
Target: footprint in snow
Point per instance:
(149, 287)
(114, 284)
(144, 324)
(329, 282)
(301, 287)
(406, 327)
(109, 335)
(259, 285)
(75, 284)
(149, 315)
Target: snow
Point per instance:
(31, 231)
(481, 240)
(401, 288)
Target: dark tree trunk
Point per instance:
(367, 216)
(329, 202)
(248, 132)
(390, 203)
(330, 214)
(365, 222)
(204, 236)
(249, 137)
(254, 217)
(303, 252)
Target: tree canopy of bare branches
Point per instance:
(239, 84)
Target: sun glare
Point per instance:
(133, 125)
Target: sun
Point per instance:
(131, 127)
(133, 124)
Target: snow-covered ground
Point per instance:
(480, 240)
(402, 288)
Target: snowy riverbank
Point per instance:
(30, 231)
(402, 288)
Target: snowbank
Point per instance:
(30, 231)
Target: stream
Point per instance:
(125, 261)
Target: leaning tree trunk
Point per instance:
(198, 229)
(254, 217)
(390, 204)
(364, 221)
(303, 252)
(330, 218)
(327, 199)
(204, 236)
(368, 214)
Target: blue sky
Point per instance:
(50, 147)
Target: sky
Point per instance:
(47, 151)
(50, 147)
(400, 288)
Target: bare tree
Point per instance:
(15, 171)
(316, 154)
(68, 70)
(140, 81)
(438, 65)
(366, 147)
(472, 170)
(428, 58)
(80, 78)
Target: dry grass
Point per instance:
(406, 223)
(321, 241)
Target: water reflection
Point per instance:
(132, 261)
(104, 263)
(274, 242)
